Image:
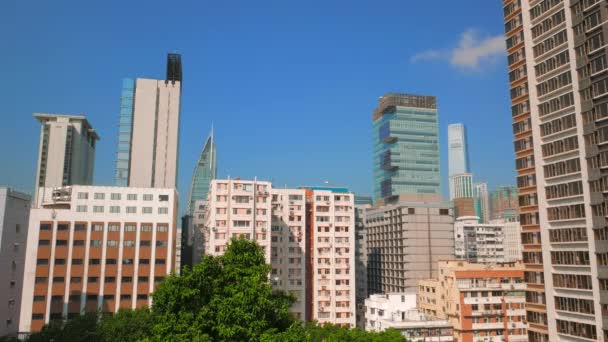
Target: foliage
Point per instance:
(226, 298)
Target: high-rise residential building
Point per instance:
(330, 242)
(482, 202)
(148, 136)
(481, 302)
(406, 146)
(308, 236)
(464, 207)
(504, 203)
(557, 64)
(288, 245)
(461, 186)
(361, 258)
(14, 213)
(405, 240)
(66, 153)
(398, 311)
(495, 242)
(204, 171)
(95, 248)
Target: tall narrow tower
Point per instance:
(559, 85)
(148, 135)
(204, 172)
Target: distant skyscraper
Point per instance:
(482, 205)
(66, 154)
(461, 186)
(458, 154)
(406, 146)
(204, 172)
(149, 130)
(503, 202)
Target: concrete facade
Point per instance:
(93, 248)
(405, 240)
(481, 302)
(361, 261)
(14, 215)
(66, 152)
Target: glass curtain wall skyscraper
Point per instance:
(458, 154)
(204, 172)
(406, 146)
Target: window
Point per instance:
(45, 226)
(142, 279)
(411, 211)
(99, 196)
(444, 212)
(38, 298)
(161, 243)
(158, 279)
(161, 228)
(146, 210)
(163, 210)
(110, 279)
(130, 227)
(142, 297)
(37, 316)
(76, 261)
(128, 243)
(44, 243)
(95, 243)
(146, 228)
(97, 227)
(115, 197)
(62, 227)
(81, 208)
(98, 209)
(94, 261)
(144, 261)
(83, 195)
(110, 261)
(80, 227)
(127, 279)
(40, 280)
(125, 297)
(163, 198)
(114, 209)
(76, 280)
(131, 210)
(58, 279)
(61, 243)
(159, 261)
(78, 242)
(59, 261)
(132, 197)
(127, 261)
(42, 262)
(92, 279)
(113, 227)
(148, 197)
(144, 243)
(112, 243)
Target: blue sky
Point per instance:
(289, 85)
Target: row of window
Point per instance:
(118, 196)
(548, 24)
(592, 43)
(95, 261)
(568, 234)
(94, 280)
(112, 227)
(558, 125)
(572, 281)
(564, 190)
(114, 209)
(562, 168)
(566, 212)
(94, 297)
(550, 43)
(98, 243)
(598, 112)
(543, 7)
(552, 63)
(570, 258)
(584, 306)
(556, 104)
(560, 146)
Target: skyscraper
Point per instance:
(458, 154)
(482, 205)
(149, 130)
(557, 68)
(204, 172)
(66, 153)
(406, 146)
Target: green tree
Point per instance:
(126, 326)
(80, 329)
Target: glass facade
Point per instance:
(125, 128)
(458, 156)
(204, 172)
(406, 147)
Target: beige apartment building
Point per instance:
(307, 235)
(557, 71)
(95, 248)
(66, 152)
(405, 240)
(481, 302)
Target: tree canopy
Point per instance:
(224, 298)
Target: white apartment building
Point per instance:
(14, 213)
(398, 311)
(512, 239)
(287, 246)
(96, 248)
(237, 208)
(66, 153)
(495, 242)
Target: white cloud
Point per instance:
(471, 53)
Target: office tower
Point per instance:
(148, 135)
(504, 203)
(482, 203)
(95, 248)
(458, 156)
(406, 146)
(461, 186)
(482, 303)
(204, 171)
(287, 245)
(557, 64)
(330, 240)
(361, 258)
(14, 213)
(405, 240)
(66, 153)
(363, 200)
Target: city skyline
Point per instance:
(206, 98)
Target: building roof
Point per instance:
(43, 117)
